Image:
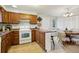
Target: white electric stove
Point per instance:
(24, 32)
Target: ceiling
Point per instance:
(50, 10)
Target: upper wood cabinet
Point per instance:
(2, 12)
(32, 18)
(12, 17)
(5, 17)
(2, 9)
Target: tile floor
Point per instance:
(66, 49)
(35, 48)
(26, 48)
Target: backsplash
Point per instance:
(16, 26)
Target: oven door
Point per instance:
(25, 36)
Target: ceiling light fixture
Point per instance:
(68, 13)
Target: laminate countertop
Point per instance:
(6, 32)
(46, 30)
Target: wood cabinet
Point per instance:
(13, 17)
(33, 19)
(33, 35)
(5, 17)
(5, 43)
(15, 37)
(16, 17)
(9, 39)
(37, 36)
(40, 38)
(2, 11)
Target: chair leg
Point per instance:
(52, 43)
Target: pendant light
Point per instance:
(68, 13)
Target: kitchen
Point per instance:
(19, 27)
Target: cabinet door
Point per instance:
(42, 39)
(14, 17)
(37, 36)
(33, 35)
(15, 40)
(3, 46)
(0, 16)
(6, 43)
(33, 19)
(5, 17)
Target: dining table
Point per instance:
(70, 34)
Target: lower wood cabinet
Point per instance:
(6, 42)
(40, 38)
(33, 35)
(15, 37)
(37, 36)
(9, 39)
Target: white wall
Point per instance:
(70, 22)
(46, 21)
(15, 26)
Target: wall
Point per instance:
(15, 26)
(70, 22)
(46, 21)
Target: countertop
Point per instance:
(46, 30)
(41, 30)
(5, 32)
